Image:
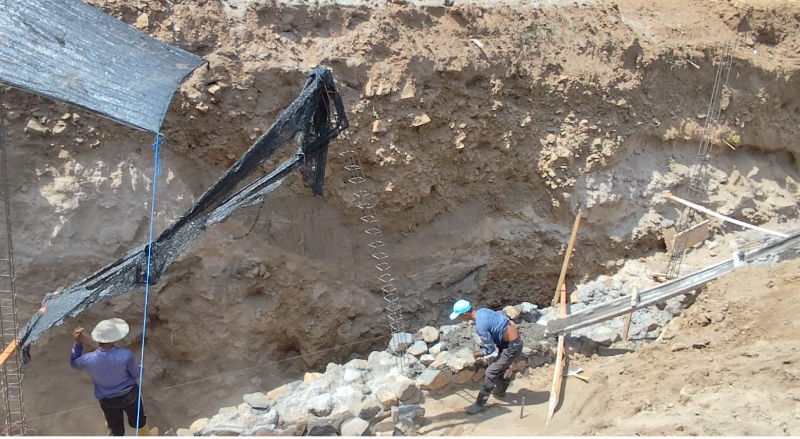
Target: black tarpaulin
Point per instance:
(68, 51)
(314, 118)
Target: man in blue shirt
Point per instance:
(115, 376)
(496, 331)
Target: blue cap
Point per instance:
(460, 307)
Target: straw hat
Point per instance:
(109, 331)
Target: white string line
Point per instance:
(257, 365)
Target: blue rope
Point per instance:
(156, 173)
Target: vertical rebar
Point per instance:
(697, 173)
(11, 370)
(366, 202)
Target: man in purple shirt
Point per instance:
(496, 331)
(115, 375)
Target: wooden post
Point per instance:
(629, 316)
(562, 277)
(561, 295)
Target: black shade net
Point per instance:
(315, 117)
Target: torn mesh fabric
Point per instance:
(72, 52)
(315, 117)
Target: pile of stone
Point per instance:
(382, 395)
(377, 396)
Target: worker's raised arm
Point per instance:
(77, 350)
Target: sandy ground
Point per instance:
(727, 366)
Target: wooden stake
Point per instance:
(629, 316)
(562, 277)
(561, 357)
(558, 378)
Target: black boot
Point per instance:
(479, 404)
(501, 387)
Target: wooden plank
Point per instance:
(558, 378)
(723, 217)
(8, 351)
(691, 236)
(561, 357)
(562, 277)
(617, 307)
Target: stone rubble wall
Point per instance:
(372, 396)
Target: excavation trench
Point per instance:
(478, 163)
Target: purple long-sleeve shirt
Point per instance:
(113, 371)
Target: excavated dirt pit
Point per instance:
(479, 160)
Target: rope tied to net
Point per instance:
(156, 173)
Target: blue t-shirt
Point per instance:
(491, 325)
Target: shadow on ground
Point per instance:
(495, 407)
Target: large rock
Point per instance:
(463, 376)
(276, 393)
(321, 405)
(426, 359)
(400, 342)
(223, 430)
(257, 400)
(321, 427)
(413, 413)
(442, 358)
(310, 377)
(369, 408)
(447, 329)
(436, 349)
(604, 335)
(418, 348)
(234, 423)
(403, 387)
(385, 425)
(198, 425)
(352, 376)
(429, 334)
(460, 360)
(329, 425)
(357, 363)
(386, 398)
(434, 379)
(381, 362)
(512, 312)
(355, 427)
(529, 312)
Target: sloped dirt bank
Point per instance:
(724, 367)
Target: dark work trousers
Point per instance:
(113, 409)
(494, 373)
